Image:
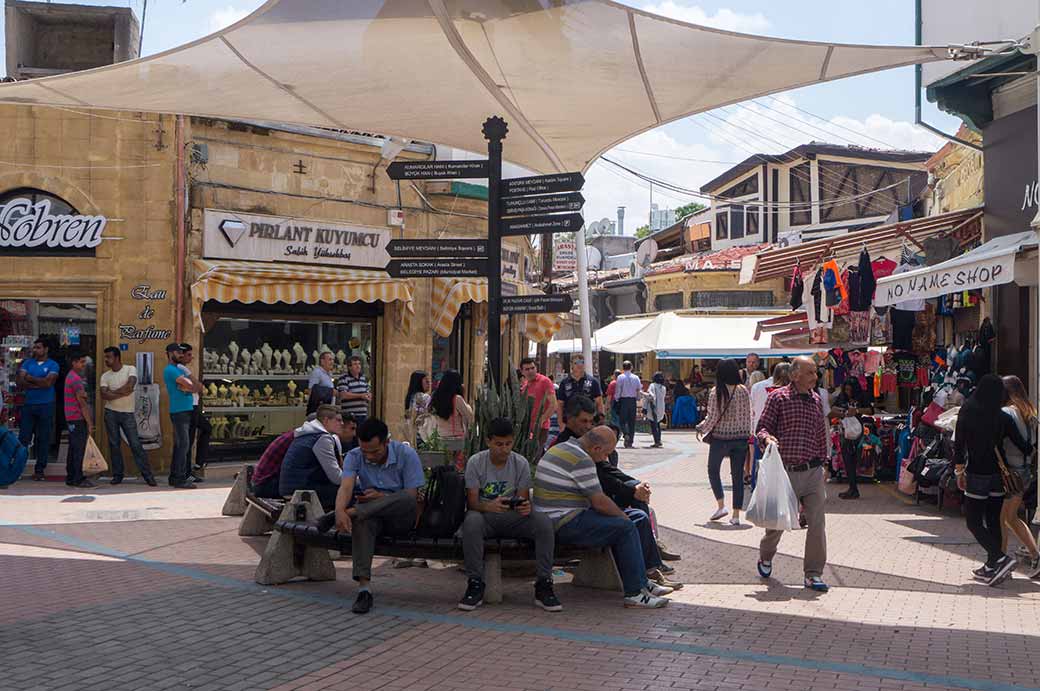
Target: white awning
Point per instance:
(616, 331)
(990, 264)
(572, 78)
(673, 336)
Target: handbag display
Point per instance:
(1013, 485)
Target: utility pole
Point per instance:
(494, 130)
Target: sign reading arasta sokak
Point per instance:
(233, 235)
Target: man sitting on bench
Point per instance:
(579, 414)
(268, 469)
(567, 489)
(377, 497)
(313, 460)
(498, 492)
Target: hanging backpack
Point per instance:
(445, 506)
(13, 457)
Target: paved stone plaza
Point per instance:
(139, 588)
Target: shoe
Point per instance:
(657, 446)
(187, 484)
(665, 569)
(544, 596)
(1002, 571)
(659, 578)
(150, 481)
(658, 590)
(667, 554)
(1033, 568)
(765, 568)
(363, 603)
(195, 478)
(816, 583)
(803, 522)
(983, 573)
(118, 480)
(849, 495)
(473, 598)
(37, 477)
(84, 483)
(719, 514)
(735, 522)
(645, 599)
(1022, 553)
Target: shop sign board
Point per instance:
(537, 304)
(920, 285)
(28, 224)
(565, 257)
(511, 264)
(254, 237)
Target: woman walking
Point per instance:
(417, 402)
(727, 430)
(451, 415)
(982, 427)
(1022, 411)
(653, 406)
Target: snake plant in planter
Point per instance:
(508, 401)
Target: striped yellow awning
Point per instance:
(449, 294)
(248, 282)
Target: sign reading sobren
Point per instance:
(24, 223)
(234, 235)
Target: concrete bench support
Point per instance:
(256, 522)
(284, 559)
(493, 578)
(598, 570)
(235, 504)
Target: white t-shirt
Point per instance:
(759, 394)
(117, 380)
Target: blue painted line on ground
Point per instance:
(520, 629)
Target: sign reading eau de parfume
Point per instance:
(234, 235)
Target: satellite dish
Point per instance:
(595, 258)
(646, 253)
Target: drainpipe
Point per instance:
(179, 200)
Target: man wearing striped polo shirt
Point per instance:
(353, 392)
(566, 487)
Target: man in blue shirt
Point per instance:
(36, 377)
(626, 393)
(179, 387)
(376, 497)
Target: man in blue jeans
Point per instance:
(117, 390)
(567, 488)
(179, 387)
(36, 378)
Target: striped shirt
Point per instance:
(357, 407)
(73, 384)
(564, 480)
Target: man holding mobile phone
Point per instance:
(498, 492)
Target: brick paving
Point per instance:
(152, 589)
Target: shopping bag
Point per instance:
(93, 462)
(773, 505)
(907, 482)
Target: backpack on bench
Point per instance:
(445, 506)
(13, 457)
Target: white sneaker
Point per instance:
(735, 521)
(646, 600)
(659, 590)
(719, 514)
(1033, 568)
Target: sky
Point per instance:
(874, 110)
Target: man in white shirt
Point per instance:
(760, 391)
(117, 390)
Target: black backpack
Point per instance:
(445, 506)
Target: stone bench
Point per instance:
(304, 534)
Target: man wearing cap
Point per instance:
(179, 387)
(577, 383)
(201, 430)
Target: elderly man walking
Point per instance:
(791, 420)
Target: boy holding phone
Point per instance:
(498, 494)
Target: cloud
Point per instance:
(225, 17)
(723, 18)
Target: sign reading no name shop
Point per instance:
(979, 274)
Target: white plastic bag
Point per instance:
(773, 504)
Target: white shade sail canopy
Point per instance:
(571, 77)
(676, 336)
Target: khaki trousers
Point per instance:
(811, 491)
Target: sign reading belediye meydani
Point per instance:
(234, 235)
(31, 224)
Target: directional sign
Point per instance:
(445, 247)
(543, 184)
(537, 304)
(534, 225)
(434, 268)
(546, 204)
(436, 170)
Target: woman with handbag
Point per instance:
(1022, 411)
(982, 427)
(727, 430)
(416, 403)
(450, 414)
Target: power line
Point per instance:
(829, 122)
(676, 158)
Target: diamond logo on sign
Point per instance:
(232, 231)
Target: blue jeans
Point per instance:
(592, 529)
(181, 446)
(737, 450)
(37, 421)
(641, 519)
(77, 446)
(627, 413)
(115, 422)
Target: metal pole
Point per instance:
(1036, 221)
(495, 130)
(547, 249)
(583, 297)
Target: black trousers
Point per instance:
(983, 517)
(627, 413)
(199, 425)
(850, 457)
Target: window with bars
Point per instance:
(732, 298)
(668, 301)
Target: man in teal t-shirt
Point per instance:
(179, 387)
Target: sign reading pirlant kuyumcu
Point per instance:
(255, 237)
(24, 223)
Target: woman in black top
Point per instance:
(981, 428)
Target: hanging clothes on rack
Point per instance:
(861, 284)
(834, 287)
(818, 312)
(797, 287)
